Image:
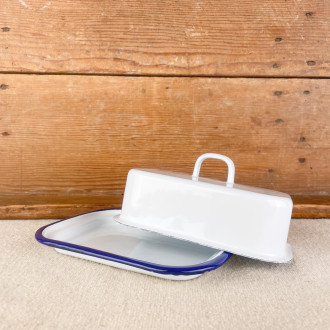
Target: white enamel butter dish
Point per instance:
(97, 237)
(247, 221)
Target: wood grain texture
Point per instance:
(61, 207)
(54, 207)
(311, 207)
(71, 135)
(185, 37)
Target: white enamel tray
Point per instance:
(97, 237)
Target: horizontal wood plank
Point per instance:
(311, 207)
(70, 135)
(185, 37)
(60, 207)
(54, 207)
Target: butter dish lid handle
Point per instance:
(228, 161)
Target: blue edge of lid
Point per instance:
(209, 265)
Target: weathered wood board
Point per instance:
(212, 38)
(79, 135)
(60, 207)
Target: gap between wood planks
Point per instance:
(159, 75)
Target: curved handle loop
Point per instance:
(228, 161)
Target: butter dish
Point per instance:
(248, 221)
(97, 237)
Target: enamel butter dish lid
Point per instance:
(243, 220)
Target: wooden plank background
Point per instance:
(59, 207)
(185, 37)
(91, 89)
(69, 135)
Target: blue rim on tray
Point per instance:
(209, 265)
